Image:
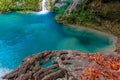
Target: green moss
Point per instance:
(79, 15)
(60, 11)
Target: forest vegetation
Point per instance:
(18, 5)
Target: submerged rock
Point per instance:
(67, 65)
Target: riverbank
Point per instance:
(118, 45)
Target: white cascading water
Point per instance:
(3, 71)
(44, 7)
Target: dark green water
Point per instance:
(22, 35)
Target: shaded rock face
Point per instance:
(105, 8)
(66, 65)
(107, 12)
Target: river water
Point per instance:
(22, 35)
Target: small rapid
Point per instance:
(3, 71)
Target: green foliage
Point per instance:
(54, 9)
(30, 4)
(56, 1)
(62, 9)
(60, 12)
(80, 15)
(58, 18)
(68, 1)
(8, 5)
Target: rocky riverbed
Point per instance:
(68, 65)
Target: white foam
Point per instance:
(3, 71)
(43, 12)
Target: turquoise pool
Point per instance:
(22, 35)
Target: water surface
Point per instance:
(22, 35)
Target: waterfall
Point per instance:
(44, 7)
